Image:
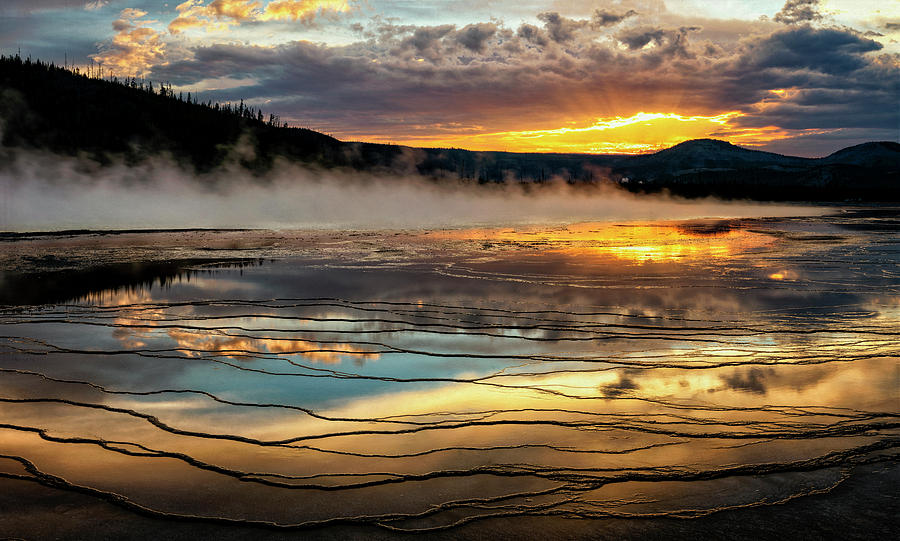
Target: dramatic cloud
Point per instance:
(473, 86)
(799, 11)
(135, 48)
(474, 36)
(561, 29)
(638, 38)
(426, 42)
(216, 14)
(220, 14)
(634, 74)
(603, 18)
(303, 10)
(532, 34)
(828, 50)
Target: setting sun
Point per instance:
(638, 134)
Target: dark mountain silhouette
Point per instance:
(870, 171)
(48, 108)
(876, 154)
(709, 154)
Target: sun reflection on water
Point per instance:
(637, 243)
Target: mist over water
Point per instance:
(43, 192)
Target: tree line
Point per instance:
(86, 112)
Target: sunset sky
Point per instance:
(805, 77)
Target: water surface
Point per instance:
(589, 371)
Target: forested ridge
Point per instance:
(74, 112)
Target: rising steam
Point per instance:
(45, 192)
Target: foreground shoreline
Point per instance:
(863, 500)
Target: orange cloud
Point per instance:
(217, 15)
(221, 14)
(134, 48)
(303, 10)
(236, 9)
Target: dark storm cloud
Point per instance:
(799, 11)
(474, 37)
(602, 18)
(638, 38)
(669, 42)
(310, 66)
(532, 34)
(863, 98)
(559, 28)
(873, 113)
(821, 144)
(426, 41)
(839, 84)
(826, 50)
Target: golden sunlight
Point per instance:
(302, 10)
(635, 243)
(640, 133)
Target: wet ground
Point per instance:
(712, 378)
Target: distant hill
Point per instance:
(877, 154)
(870, 171)
(701, 154)
(46, 107)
